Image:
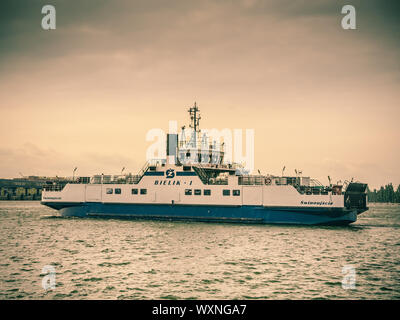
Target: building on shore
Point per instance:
(26, 188)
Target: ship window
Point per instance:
(187, 168)
(236, 192)
(143, 191)
(197, 192)
(226, 192)
(188, 192)
(207, 192)
(109, 191)
(117, 191)
(134, 191)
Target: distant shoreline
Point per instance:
(22, 200)
(36, 200)
(30, 189)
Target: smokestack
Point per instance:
(172, 148)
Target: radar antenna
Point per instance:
(194, 121)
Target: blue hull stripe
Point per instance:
(155, 173)
(253, 214)
(186, 173)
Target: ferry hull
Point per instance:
(241, 214)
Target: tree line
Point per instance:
(384, 194)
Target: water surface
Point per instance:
(137, 259)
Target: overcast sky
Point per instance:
(320, 98)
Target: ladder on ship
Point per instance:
(139, 176)
(201, 173)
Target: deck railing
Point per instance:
(53, 187)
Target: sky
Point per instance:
(320, 99)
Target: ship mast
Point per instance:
(195, 121)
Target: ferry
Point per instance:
(194, 183)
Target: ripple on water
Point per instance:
(122, 259)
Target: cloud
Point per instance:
(113, 69)
(30, 159)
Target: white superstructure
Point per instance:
(185, 186)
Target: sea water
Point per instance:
(96, 258)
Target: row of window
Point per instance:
(197, 192)
(207, 192)
(227, 192)
(118, 191)
(188, 192)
